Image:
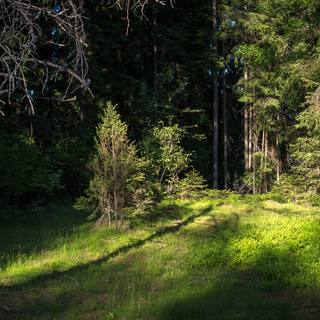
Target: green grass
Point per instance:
(212, 259)
(38, 244)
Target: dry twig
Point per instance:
(41, 43)
(133, 5)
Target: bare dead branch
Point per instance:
(41, 43)
(134, 5)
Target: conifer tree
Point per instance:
(116, 170)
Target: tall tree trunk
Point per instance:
(250, 138)
(246, 109)
(253, 179)
(155, 64)
(115, 199)
(225, 138)
(115, 180)
(121, 218)
(278, 160)
(155, 58)
(251, 141)
(109, 213)
(265, 163)
(261, 161)
(215, 99)
(255, 139)
(246, 125)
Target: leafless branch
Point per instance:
(134, 5)
(39, 44)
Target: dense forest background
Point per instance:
(226, 90)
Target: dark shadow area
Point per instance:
(232, 223)
(26, 231)
(215, 225)
(282, 211)
(29, 232)
(162, 212)
(261, 289)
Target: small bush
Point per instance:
(191, 187)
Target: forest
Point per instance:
(225, 91)
(158, 155)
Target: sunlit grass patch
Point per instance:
(59, 249)
(282, 247)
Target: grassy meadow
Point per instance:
(237, 258)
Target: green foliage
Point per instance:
(263, 174)
(162, 71)
(261, 179)
(26, 175)
(219, 194)
(190, 187)
(253, 199)
(16, 166)
(117, 170)
(173, 157)
(305, 151)
(290, 187)
(281, 248)
(149, 150)
(280, 65)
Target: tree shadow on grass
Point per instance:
(283, 211)
(28, 233)
(134, 244)
(56, 305)
(235, 293)
(163, 212)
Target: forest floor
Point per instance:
(211, 259)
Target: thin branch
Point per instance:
(133, 5)
(21, 61)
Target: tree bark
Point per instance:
(215, 99)
(278, 159)
(250, 138)
(265, 162)
(246, 126)
(225, 137)
(155, 65)
(155, 58)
